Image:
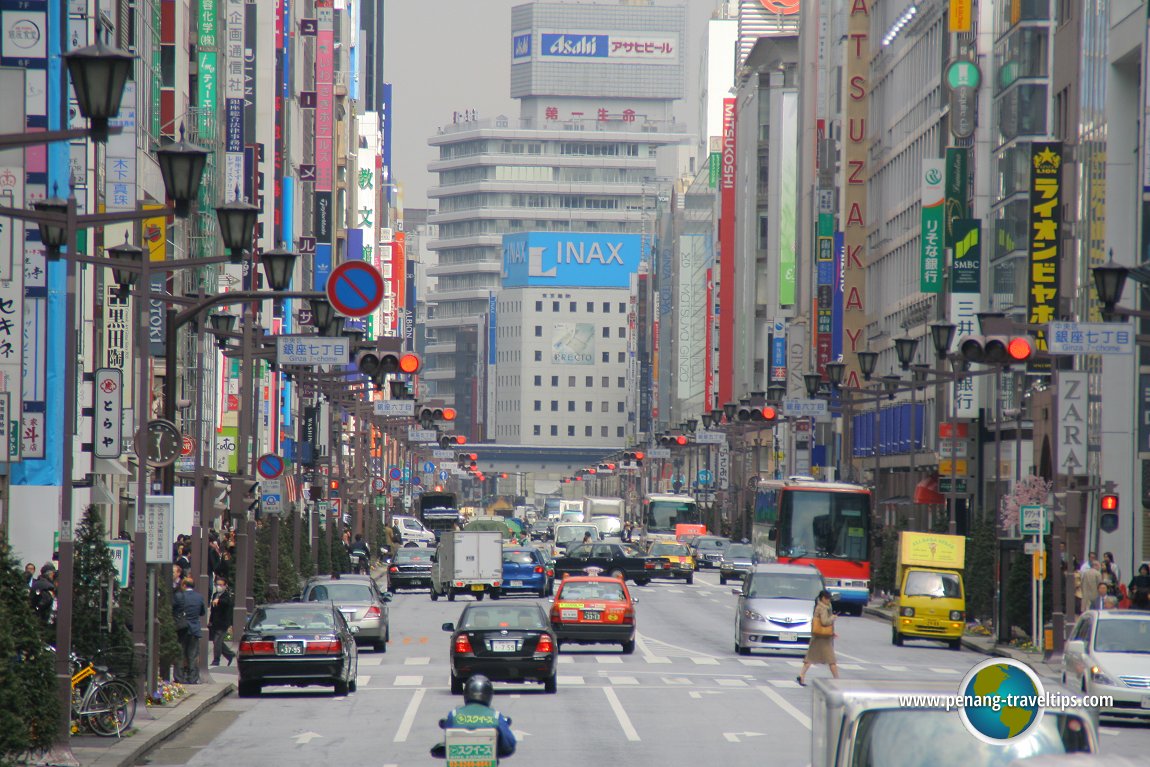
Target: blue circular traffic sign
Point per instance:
(429, 466)
(416, 480)
(355, 288)
(270, 466)
(395, 473)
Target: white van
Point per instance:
(412, 532)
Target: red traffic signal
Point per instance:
(460, 439)
(1020, 349)
(770, 414)
(449, 414)
(680, 440)
(639, 455)
(503, 475)
(409, 363)
(1110, 502)
(996, 350)
(1108, 519)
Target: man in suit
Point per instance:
(1091, 579)
(187, 609)
(1099, 601)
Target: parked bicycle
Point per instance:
(101, 702)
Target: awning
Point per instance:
(101, 496)
(108, 466)
(926, 491)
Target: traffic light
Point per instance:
(673, 440)
(445, 442)
(997, 350)
(769, 414)
(429, 415)
(1108, 519)
(449, 414)
(746, 413)
(400, 390)
(368, 362)
(393, 362)
(635, 458)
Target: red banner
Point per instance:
(727, 255)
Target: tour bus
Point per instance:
(662, 511)
(800, 520)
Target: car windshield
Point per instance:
(940, 739)
(413, 555)
(669, 550)
(284, 618)
(339, 592)
(921, 583)
(630, 550)
(739, 551)
(518, 558)
(712, 543)
(784, 586)
(1121, 635)
(502, 617)
(569, 533)
(583, 590)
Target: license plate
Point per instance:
(788, 636)
(1146, 703)
(503, 645)
(348, 614)
(477, 587)
(932, 624)
(516, 583)
(591, 615)
(568, 615)
(289, 648)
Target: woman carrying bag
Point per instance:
(822, 647)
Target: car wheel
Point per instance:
(391, 589)
(380, 646)
(690, 579)
(341, 688)
(543, 592)
(479, 596)
(740, 650)
(722, 581)
(956, 643)
(352, 686)
(857, 611)
(629, 647)
(451, 595)
(434, 595)
(618, 574)
(496, 593)
(249, 689)
(895, 638)
(642, 581)
(551, 685)
(456, 685)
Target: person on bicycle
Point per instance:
(477, 714)
(359, 555)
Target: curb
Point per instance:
(152, 732)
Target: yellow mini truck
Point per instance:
(931, 599)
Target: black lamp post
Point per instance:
(867, 362)
(812, 381)
(99, 73)
(127, 258)
(729, 410)
(278, 265)
(890, 384)
(692, 424)
(707, 421)
(237, 227)
(222, 324)
(1109, 280)
(716, 416)
(182, 167)
(942, 335)
(835, 372)
(905, 349)
(54, 234)
(775, 393)
(321, 313)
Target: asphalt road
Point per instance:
(684, 696)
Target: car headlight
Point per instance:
(751, 615)
(906, 612)
(1099, 676)
(957, 615)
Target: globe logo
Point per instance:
(1001, 700)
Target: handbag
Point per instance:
(819, 629)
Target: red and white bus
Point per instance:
(826, 524)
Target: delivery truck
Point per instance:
(605, 513)
(930, 597)
(438, 513)
(467, 562)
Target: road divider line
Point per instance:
(645, 651)
(409, 681)
(423, 661)
(851, 657)
(622, 680)
(895, 668)
(621, 715)
(785, 705)
(851, 666)
(409, 717)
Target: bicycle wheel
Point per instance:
(111, 708)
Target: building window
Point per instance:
(603, 431)
(590, 307)
(538, 331)
(554, 306)
(570, 406)
(606, 307)
(554, 406)
(603, 407)
(622, 308)
(622, 356)
(536, 430)
(571, 381)
(587, 406)
(587, 432)
(620, 407)
(554, 431)
(606, 382)
(622, 382)
(538, 306)
(539, 356)
(538, 380)
(538, 404)
(622, 332)
(606, 332)
(606, 356)
(572, 307)
(619, 432)
(590, 382)
(555, 381)
(570, 431)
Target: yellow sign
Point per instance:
(1039, 565)
(931, 550)
(960, 15)
(952, 467)
(154, 233)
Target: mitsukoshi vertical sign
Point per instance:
(727, 256)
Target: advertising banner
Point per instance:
(573, 343)
(779, 353)
(957, 189)
(545, 259)
(824, 290)
(694, 258)
(933, 209)
(615, 48)
(966, 266)
(1045, 239)
(727, 254)
(788, 198)
(324, 99)
(964, 309)
(856, 159)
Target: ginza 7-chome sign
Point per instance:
(535, 259)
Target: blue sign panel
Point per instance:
(492, 325)
(321, 266)
(572, 260)
(574, 46)
(521, 46)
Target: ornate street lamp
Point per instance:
(182, 167)
(222, 324)
(905, 349)
(775, 393)
(835, 372)
(130, 257)
(867, 362)
(692, 424)
(1109, 280)
(99, 73)
(890, 384)
(812, 381)
(941, 335)
(707, 421)
(729, 410)
(237, 221)
(919, 372)
(716, 416)
(321, 313)
(54, 235)
(278, 265)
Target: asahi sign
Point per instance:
(962, 79)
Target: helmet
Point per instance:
(478, 690)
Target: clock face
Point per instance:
(163, 442)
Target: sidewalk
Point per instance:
(1046, 666)
(152, 726)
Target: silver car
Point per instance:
(1109, 654)
(776, 605)
(363, 606)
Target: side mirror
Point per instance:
(634, 600)
(449, 626)
(836, 597)
(1076, 646)
(353, 629)
(387, 596)
(737, 592)
(895, 592)
(773, 534)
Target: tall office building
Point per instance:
(595, 85)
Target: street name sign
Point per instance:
(442, 455)
(271, 500)
(397, 407)
(1089, 338)
(659, 452)
(710, 437)
(421, 435)
(804, 408)
(312, 350)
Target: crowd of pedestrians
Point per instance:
(1099, 586)
(189, 609)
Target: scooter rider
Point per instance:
(359, 555)
(477, 714)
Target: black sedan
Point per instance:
(505, 643)
(409, 569)
(618, 560)
(297, 643)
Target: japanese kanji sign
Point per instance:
(108, 419)
(1089, 338)
(312, 350)
(1045, 235)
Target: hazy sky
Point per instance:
(450, 55)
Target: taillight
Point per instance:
(550, 573)
(555, 616)
(462, 644)
(629, 616)
(373, 612)
(545, 644)
(459, 584)
(324, 647)
(538, 569)
(257, 648)
(648, 565)
(393, 569)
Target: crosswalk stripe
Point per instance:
(409, 681)
(794, 663)
(417, 661)
(573, 680)
(752, 662)
(704, 661)
(851, 666)
(370, 660)
(944, 670)
(656, 659)
(676, 680)
(361, 680)
(731, 682)
(895, 668)
(674, 591)
(609, 659)
(623, 680)
(783, 682)
(566, 659)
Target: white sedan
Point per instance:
(1109, 654)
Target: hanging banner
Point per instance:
(933, 207)
(788, 197)
(966, 266)
(727, 254)
(1045, 239)
(957, 188)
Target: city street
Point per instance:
(684, 693)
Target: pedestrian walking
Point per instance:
(1140, 588)
(1100, 597)
(43, 594)
(822, 647)
(187, 609)
(30, 574)
(1109, 575)
(219, 620)
(1108, 557)
(1091, 578)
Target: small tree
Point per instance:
(95, 592)
(981, 577)
(29, 707)
(886, 572)
(324, 558)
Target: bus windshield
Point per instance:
(663, 515)
(823, 524)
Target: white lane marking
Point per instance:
(722, 682)
(782, 703)
(409, 681)
(361, 681)
(795, 663)
(566, 659)
(698, 694)
(681, 650)
(566, 680)
(417, 661)
(895, 668)
(851, 666)
(786, 683)
(852, 657)
(409, 716)
(944, 670)
(676, 680)
(674, 591)
(752, 662)
(621, 715)
(623, 680)
(707, 661)
(370, 660)
(1109, 731)
(657, 659)
(609, 659)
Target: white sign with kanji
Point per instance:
(108, 418)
